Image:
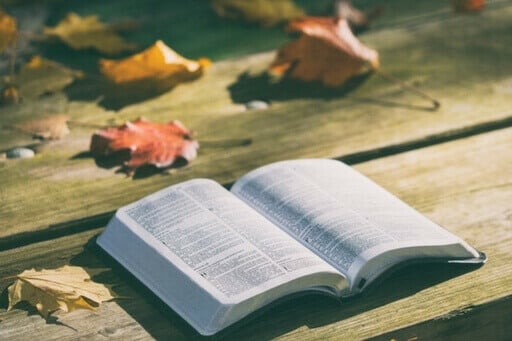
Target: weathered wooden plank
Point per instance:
(463, 185)
(58, 185)
(136, 316)
(454, 326)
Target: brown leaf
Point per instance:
(158, 66)
(8, 30)
(142, 142)
(264, 12)
(468, 5)
(88, 32)
(326, 51)
(47, 128)
(10, 94)
(67, 288)
(42, 76)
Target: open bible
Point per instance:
(215, 256)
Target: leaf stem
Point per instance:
(435, 103)
(33, 36)
(225, 143)
(8, 277)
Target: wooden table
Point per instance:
(453, 164)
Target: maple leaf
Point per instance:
(47, 128)
(67, 288)
(8, 30)
(142, 142)
(88, 32)
(264, 12)
(158, 66)
(468, 5)
(326, 50)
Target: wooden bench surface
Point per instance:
(375, 115)
(447, 182)
(453, 164)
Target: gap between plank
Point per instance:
(101, 219)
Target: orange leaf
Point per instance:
(142, 142)
(159, 63)
(326, 50)
(8, 30)
(468, 5)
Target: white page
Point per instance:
(232, 248)
(338, 213)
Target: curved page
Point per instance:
(224, 260)
(344, 217)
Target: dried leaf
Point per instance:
(142, 142)
(344, 9)
(88, 32)
(468, 5)
(158, 66)
(67, 288)
(42, 76)
(326, 50)
(47, 128)
(264, 12)
(8, 30)
(10, 94)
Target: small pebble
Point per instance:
(20, 153)
(256, 105)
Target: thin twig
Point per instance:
(435, 103)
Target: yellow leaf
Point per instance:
(48, 127)
(158, 64)
(8, 30)
(38, 63)
(88, 32)
(264, 12)
(67, 288)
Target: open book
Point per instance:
(215, 256)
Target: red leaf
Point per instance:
(142, 142)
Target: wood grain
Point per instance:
(463, 185)
(484, 320)
(468, 70)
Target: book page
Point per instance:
(338, 213)
(230, 246)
